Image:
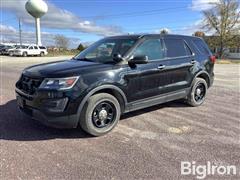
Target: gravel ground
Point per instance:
(146, 144)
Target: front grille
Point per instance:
(28, 85)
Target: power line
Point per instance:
(133, 14)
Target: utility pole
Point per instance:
(20, 32)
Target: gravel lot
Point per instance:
(146, 144)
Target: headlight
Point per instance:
(59, 83)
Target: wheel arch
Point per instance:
(110, 89)
(204, 75)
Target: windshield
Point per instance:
(103, 51)
(22, 47)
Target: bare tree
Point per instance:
(224, 19)
(61, 41)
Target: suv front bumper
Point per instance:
(37, 108)
(69, 121)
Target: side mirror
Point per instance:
(141, 59)
(117, 57)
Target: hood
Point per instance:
(64, 68)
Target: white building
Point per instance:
(233, 53)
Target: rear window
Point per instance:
(176, 48)
(201, 46)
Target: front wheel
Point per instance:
(100, 114)
(24, 54)
(198, 92)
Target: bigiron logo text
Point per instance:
(201, 171)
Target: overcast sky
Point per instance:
(87, 21)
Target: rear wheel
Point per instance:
(198, 92)
(10, 53)
(42, 54)
(100, 114)
(24, 54)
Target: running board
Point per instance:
(140, 104)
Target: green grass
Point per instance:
(228, 61)
(62, 53)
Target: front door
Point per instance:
(151, 78)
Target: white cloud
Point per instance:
(59, 19)
(4, 29)
(189, 30)
(10, 34)
(200, 5)
(192, 28)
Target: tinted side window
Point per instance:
(35, 47)
(175, 47)
(201, 46)
(188, 50)
(42, 47)
(151, 48)
(30, 47)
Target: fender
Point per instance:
(98, 89)
(201, 72)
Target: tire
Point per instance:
(10, 53)
(91, 120)
(24, 54)
(198, 92)
(41, 54)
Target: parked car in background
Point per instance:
(9, 51)
(4, 50)
(114, 76)
(1, 48)
(31, 50)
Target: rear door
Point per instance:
(181, 63)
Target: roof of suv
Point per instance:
(136, 36)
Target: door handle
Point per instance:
(161, 66)
(193, 61)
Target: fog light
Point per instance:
(55, 105)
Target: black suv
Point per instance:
(113, 76)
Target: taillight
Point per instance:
(213, 59)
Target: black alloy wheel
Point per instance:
(103, 114)
(200, 92)
(100, 114)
